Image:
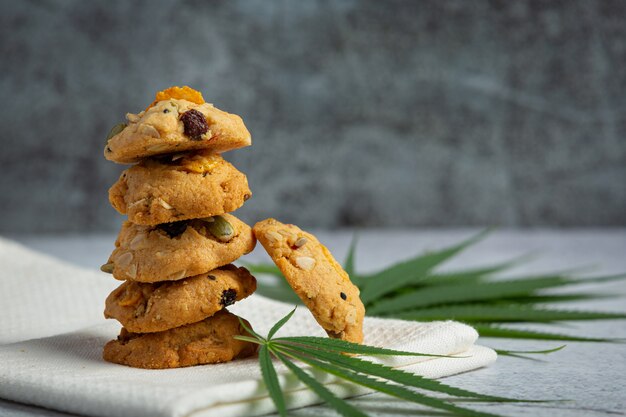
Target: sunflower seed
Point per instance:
(108, 268)
(148, 130)
(273, 237)
(164, 204)
(133, 118)
(305, 262)
(138, 242)
(132, 271)
(301, 242)
(124, 259)
(160, 147)
(177, 275)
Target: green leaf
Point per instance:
(502, 313)
(280, 324)
(486, 330)
(554, 298)
(271, 380)
(389, 389)
(249, 330)
(280, 293)
(335, 402)
(338, 345)
(471, 274)
(457, 293)
(263, 268)
(533, 352)
(387, 372)
(410, 271)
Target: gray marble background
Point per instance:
(363, 113)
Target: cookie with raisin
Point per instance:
(173, 251)
(179, 187)
(208, 341)
(316, 277)
(178, 121)
(146, 308)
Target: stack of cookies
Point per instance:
(175, 251)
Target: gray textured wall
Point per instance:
(363, 113)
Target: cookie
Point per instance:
(146, 308)
(179, 187)
(316, 277)
(208, 341)
(173, 125)
(173, 251)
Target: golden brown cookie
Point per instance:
(208, 341)
(175, 124)
(316, 277)
(173, 251)
(179, 187)
(146, 308)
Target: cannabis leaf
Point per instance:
(341, 359)
(415, 290)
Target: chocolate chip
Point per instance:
(228, 297)
(211, 277)
(195, 124)
(173, 229)
(343, 296)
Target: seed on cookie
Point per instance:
(343, 295)
(124, 259)
(305, 262)
(220, 228)
(114, 131)
(108, 268)
(300, 242)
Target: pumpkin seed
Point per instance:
(221, 229)
(115, 130)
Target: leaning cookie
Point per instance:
(316, 277)
(179, 187)
(173, 251)
(179, 121)
(204, 342)
(146, 308)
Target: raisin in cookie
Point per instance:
(179, 187)
(146, 308)
(179, 120)
(173, 251)
(207, 341)
(316, 277)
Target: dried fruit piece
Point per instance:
(228, 297)
(173, 229)
(115, 130)
(195, 124)
(179, 93)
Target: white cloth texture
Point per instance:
(52, 332)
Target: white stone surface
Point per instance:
(589, 375)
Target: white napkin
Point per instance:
(42, 299)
